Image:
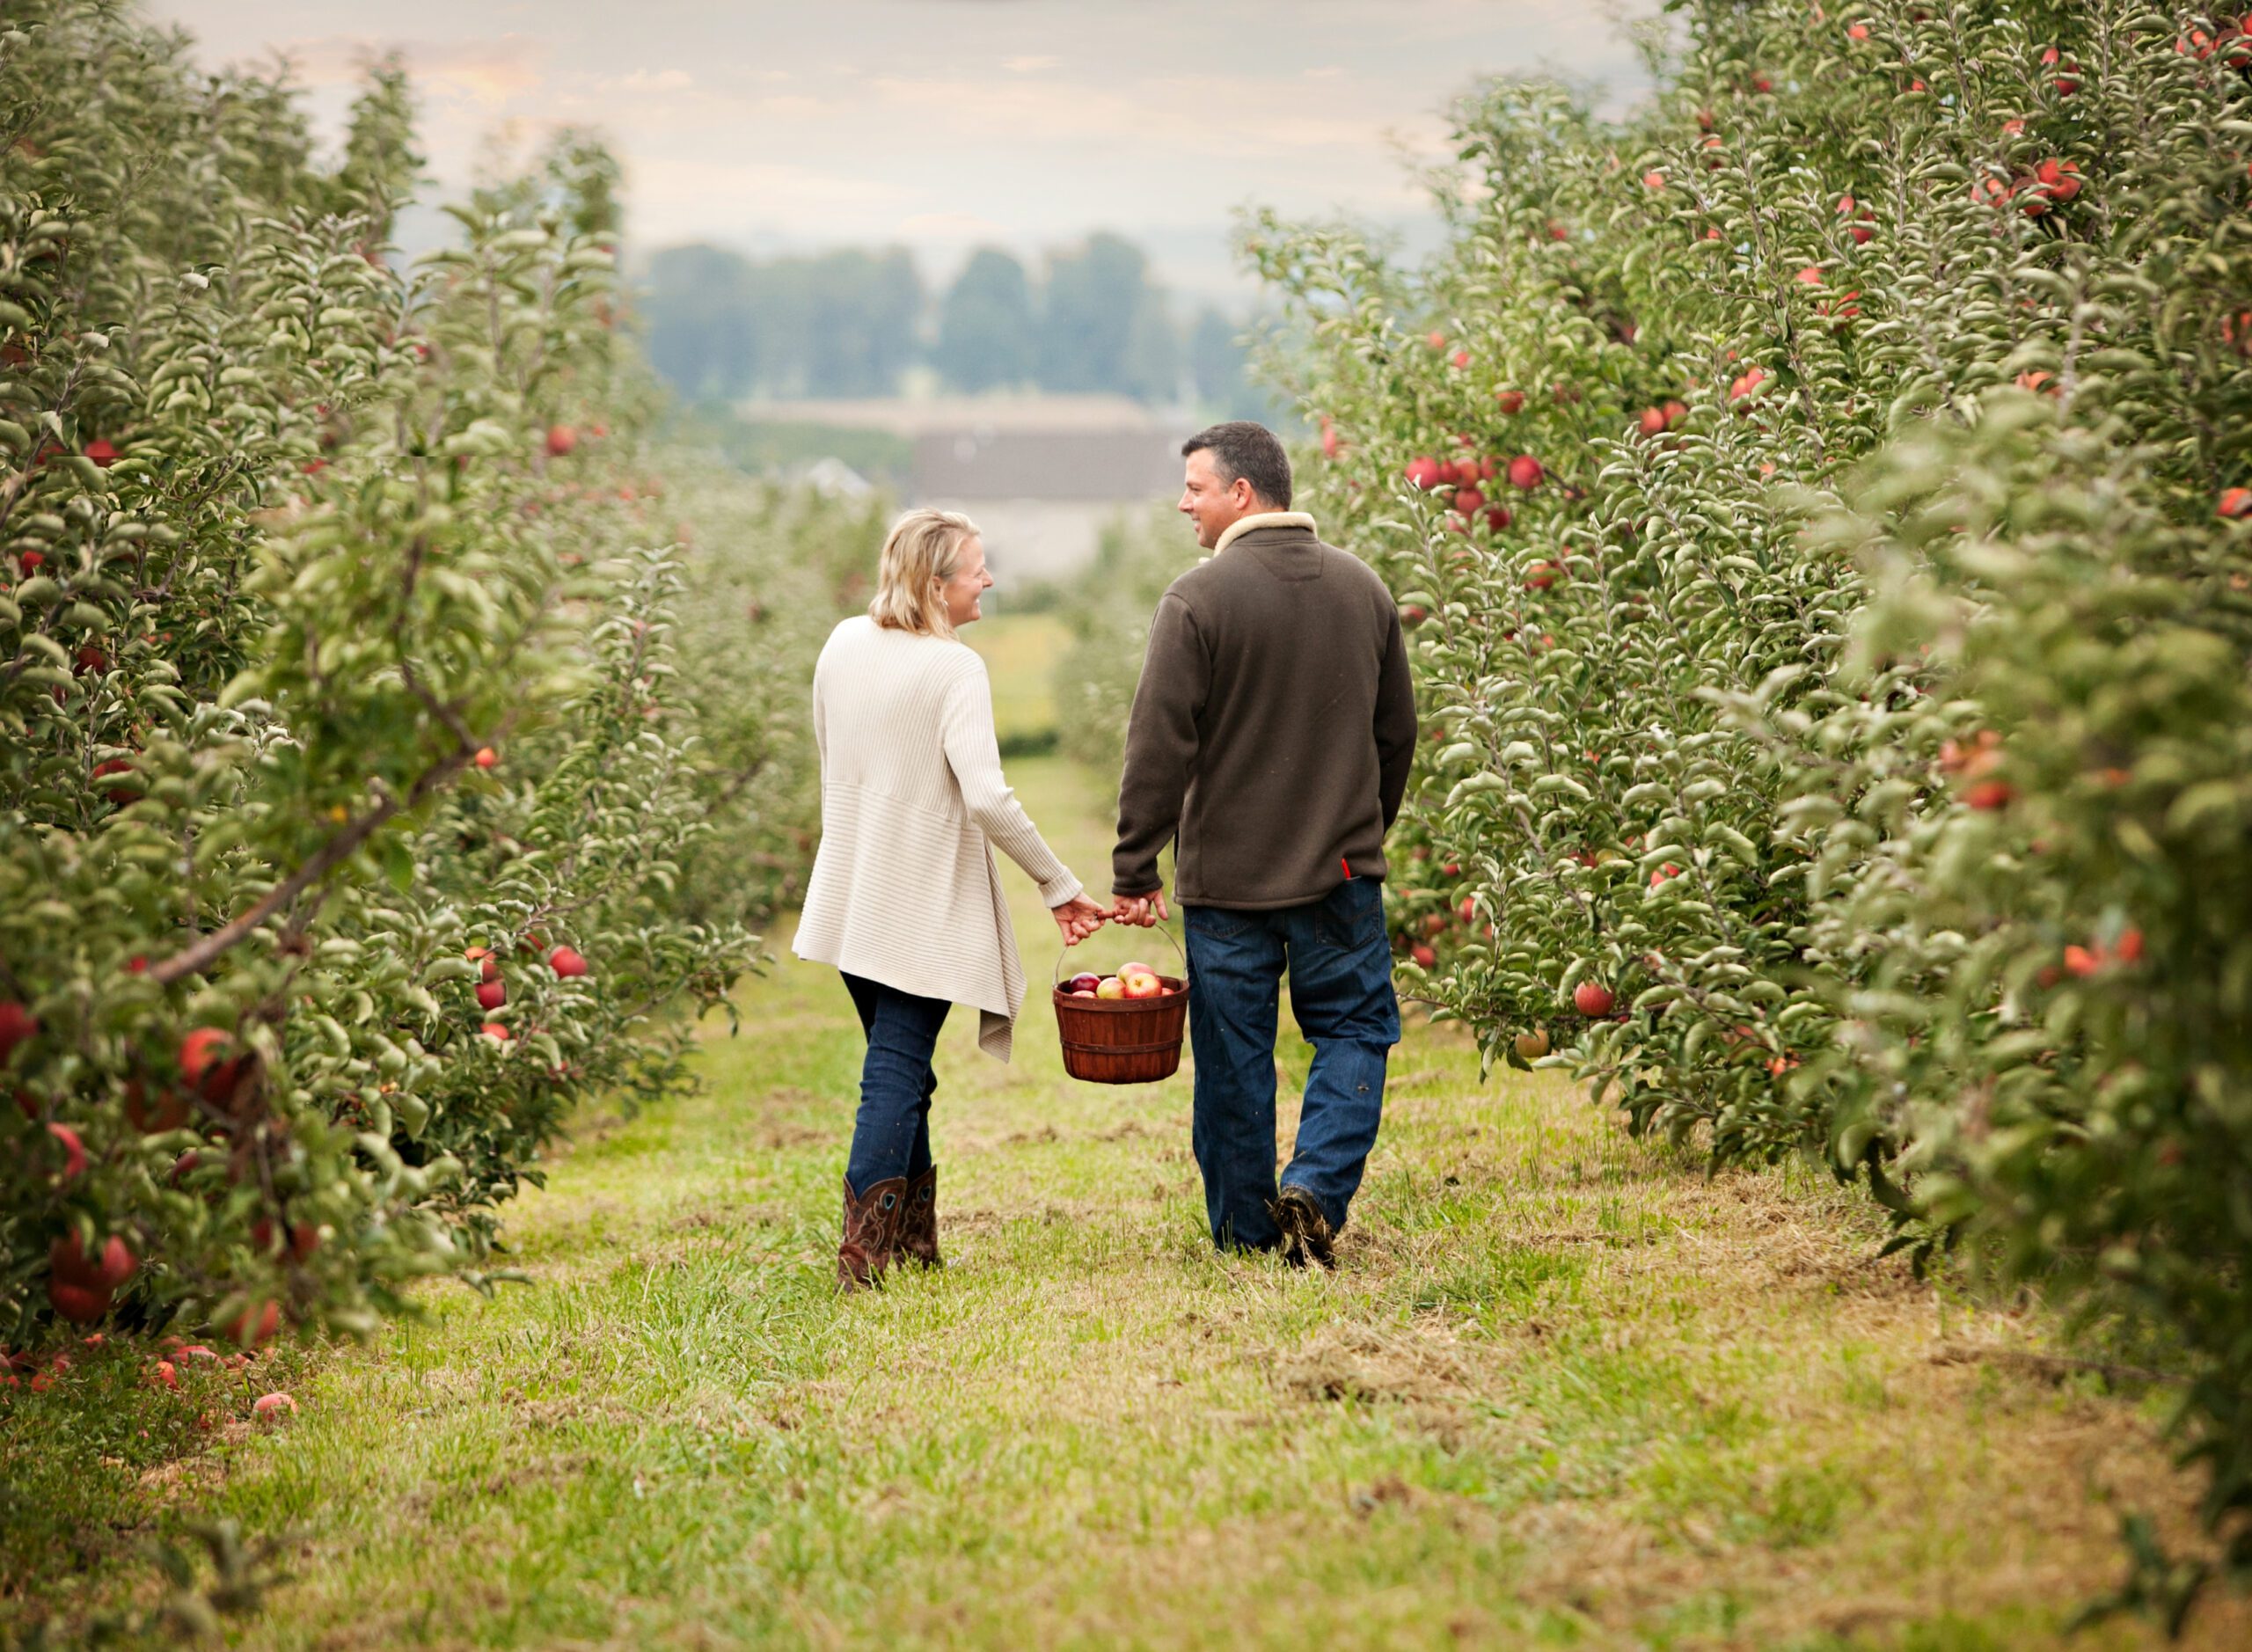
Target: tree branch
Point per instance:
(204, 953)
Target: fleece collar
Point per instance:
(1265, 519)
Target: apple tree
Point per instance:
(1819, 498)
(348, 787)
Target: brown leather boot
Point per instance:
(918, 1228)
(871, 1231)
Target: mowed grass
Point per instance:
(1564, 1390)
(1020, 651)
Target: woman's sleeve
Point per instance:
(974, 753)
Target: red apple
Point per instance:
(1142, 986)
(1989, 794)
(119, 1264)
(1511, 400)
(490, 995)
(201, 1063)
(272, 1408)
(1423, 954)
(1084, 982)
(17, 1024)
(1652, 422)
(2235, 504)
(255, 1324)
(74, 1150)
(486, 758)
(560, 440)
(1593, 998)
(120, 795)
(1110, 987)
(81, 1304)
(101, 453)
(567, 962)
(1423, 472)
(168, 1112)
(1525, 472)
(494, 1031)
(2060, 178)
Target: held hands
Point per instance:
(1144, 911)
(1078, 918)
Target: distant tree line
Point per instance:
(852, 322)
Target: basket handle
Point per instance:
(1056, 976)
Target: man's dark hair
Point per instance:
(1242, 448)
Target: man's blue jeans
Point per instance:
(1340, 991)
(891, 1135)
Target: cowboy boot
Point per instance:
(918, 1227)
(871, 1231)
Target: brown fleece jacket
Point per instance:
(1274, 727)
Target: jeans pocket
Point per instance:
(1217, 922)
(1351, 919)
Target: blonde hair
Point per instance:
(922, 552)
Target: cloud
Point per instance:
(779, 124)
(488, 71)
(657, 80)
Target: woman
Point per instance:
(905, 899)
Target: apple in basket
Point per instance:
(1082, 983)
(1144, 985)
(1110, 987)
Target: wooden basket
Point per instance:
(1124, 1040)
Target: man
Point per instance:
(1270, 742)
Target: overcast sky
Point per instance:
(942, 124)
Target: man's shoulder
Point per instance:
(1345, 565)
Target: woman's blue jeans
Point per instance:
(891, 1134)
(1340, 970)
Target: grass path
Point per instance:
(1563, 1391)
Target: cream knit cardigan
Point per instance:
(904, 889)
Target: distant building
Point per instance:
(833, 479)
(1041, 475)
